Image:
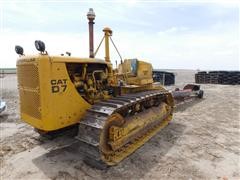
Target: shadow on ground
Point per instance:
(4, 117)
(185, 105)
(68, 163)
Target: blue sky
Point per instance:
(173, 34)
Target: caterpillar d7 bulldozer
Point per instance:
(116, 110)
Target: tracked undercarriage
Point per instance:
(114, 128)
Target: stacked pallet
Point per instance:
(164, 77)
(218, 77)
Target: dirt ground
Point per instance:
(202, 142)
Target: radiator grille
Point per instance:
(28, 75)
(30, 103)
(28, 84)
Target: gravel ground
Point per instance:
(202, 142)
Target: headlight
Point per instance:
(40, 46)
(19, 50)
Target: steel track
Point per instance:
(92, 125)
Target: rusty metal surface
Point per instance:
(189, 92)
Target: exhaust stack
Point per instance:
(91, 16)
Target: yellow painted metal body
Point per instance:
(50, 99)
(107, 33)
(38, 76)
(118, 156)
(141, 75)
(122, 135)
(56, 92)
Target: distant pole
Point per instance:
(163, 79)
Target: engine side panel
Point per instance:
(48, 99)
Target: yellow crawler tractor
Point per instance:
(116, 110)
